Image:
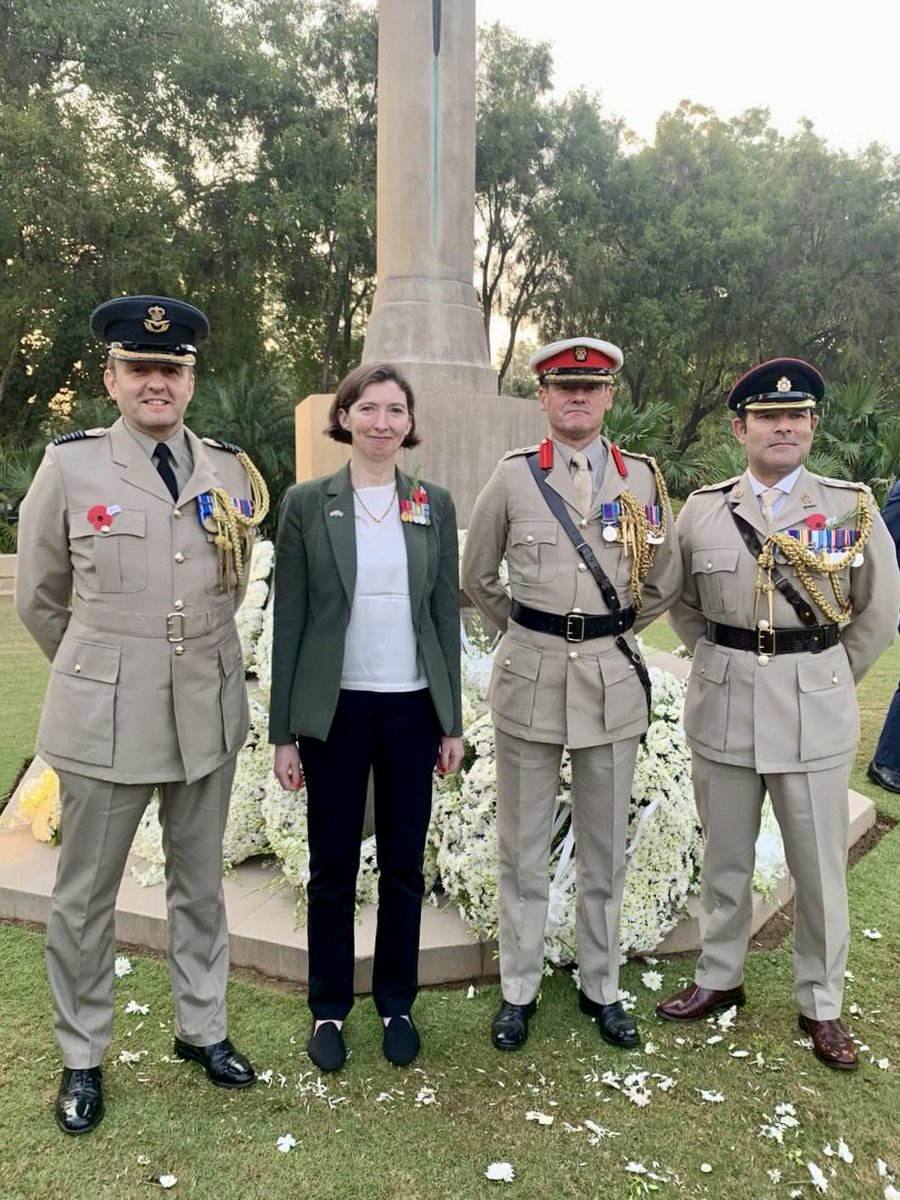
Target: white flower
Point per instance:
(819, 1182)
(705, 1168)
(774, 1174)
(872, 934)
(425, 1096)
(711, 1097)
(541, 1118)
(844, 1152)
(285, 1143)
(132, 1056)
(133, 1007)
(123, 966)
(650, 1048)
(883, 1063)
(501, 1171)
(636, 1168)
(725, 1020)
(471, 993)
(168, 1181)
(652, 980)
(890, 1192)
(739, 1053)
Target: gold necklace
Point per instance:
(368, 510)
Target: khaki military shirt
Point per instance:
(147, 682)
(794, 712)
(544, 688)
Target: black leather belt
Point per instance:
(573, 626)
(774, 641)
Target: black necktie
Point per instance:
(163, 456)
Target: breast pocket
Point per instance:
(80, 712)
(715, 577)
(118, 554)
(531, 551)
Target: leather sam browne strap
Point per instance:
(557, 506)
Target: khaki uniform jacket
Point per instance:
(544, 688)
(797, 712)
(315, 578)
(124, 703)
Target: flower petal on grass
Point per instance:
(711, 1097)
(872, 934)
(652, 980)
(541, 1118)
(501, 1171)
(133, 1007)
(705, 1168)
(122, 966)
(285, 1143)
(167, 1181)
(819, 1182)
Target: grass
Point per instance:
(23, 681)
(428, 1132)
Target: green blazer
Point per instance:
(315, 575)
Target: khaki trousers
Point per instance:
(98, 823)
(527, 786)
(811, 810)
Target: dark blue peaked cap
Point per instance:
(778, 383)
(150, 329)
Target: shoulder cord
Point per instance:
(638, 530)
(233, 527)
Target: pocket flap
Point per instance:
(88, 660)
(230, 656)
(132, 521)
(814, 675)
(521, 660)
(614, 668)
(528, 533)
(710, 663)
(707, 562)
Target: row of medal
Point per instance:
(417, 509)
(206, 504)
(617, 525)
(832, 543)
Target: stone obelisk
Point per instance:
(425, 316)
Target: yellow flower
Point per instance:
(39, 804)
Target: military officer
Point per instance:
(132, 547)
(587, 533)
(791, 593)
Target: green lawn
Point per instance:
(22, 683)
(429, 1132)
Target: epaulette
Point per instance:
(520, 451)
(220, 445)
(76, 435)
(846, 483)
(647, 458)
(722, 486)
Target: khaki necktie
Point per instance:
(582, 481)
(769, 498)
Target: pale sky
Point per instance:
(834, 63)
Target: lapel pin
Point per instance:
(336, 512)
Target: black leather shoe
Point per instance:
(326, 1047)
(79, 1101)
(614, 1023)
(224, 1066)
(884, 777)
(509, 1028)
(401, 1042)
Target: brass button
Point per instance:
(762, 659)
(176, 512)
(709, 566)
(834, 679)
(573, 655)
(576, 610)
(529, 538)
(179, 557)
(179, 649)
(77, 668)
(178, 604)
(582, 566)
(582, 524)
(507, 663)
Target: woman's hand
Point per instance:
(450, 755)
(288, 770)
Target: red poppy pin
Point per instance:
(816, 520)
(100, 517)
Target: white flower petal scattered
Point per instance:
(890, 1192)
(872, 934)
(774, 1174)
(883, 1063)
(652, 980)
(844, 1152)
(132, 1056)
(541, 1118)
(711, 1097)
(501, 1171)
(739, 1053)
(122, 966)
(471, 993)
(819, 1182)
(725, 1020)
(425, 1096)
(705, 1168)
(133, 1007)
(636, 1168)
(168, 1181)
(285, 1143)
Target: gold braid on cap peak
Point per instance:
(805, 561)
(233, 528)
(637, 531)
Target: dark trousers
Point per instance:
(887, 752)
(396, 735)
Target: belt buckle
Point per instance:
(171, 635)
(764, 649)
(574, 633)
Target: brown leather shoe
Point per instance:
(695, 1003)
(832, 1044)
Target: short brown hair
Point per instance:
(352, 387)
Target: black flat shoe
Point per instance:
(614, 1023)
(224, 1066)
(79, 1101)
(884, 777)
(509, 1028)
(401, 1042)
(326, 1047)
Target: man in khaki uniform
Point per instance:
(125, 582)
(791, 593)
(567, 671)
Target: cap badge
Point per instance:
(580, 353)
(783, 384)
(156, 322)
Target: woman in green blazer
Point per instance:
(365, 677)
